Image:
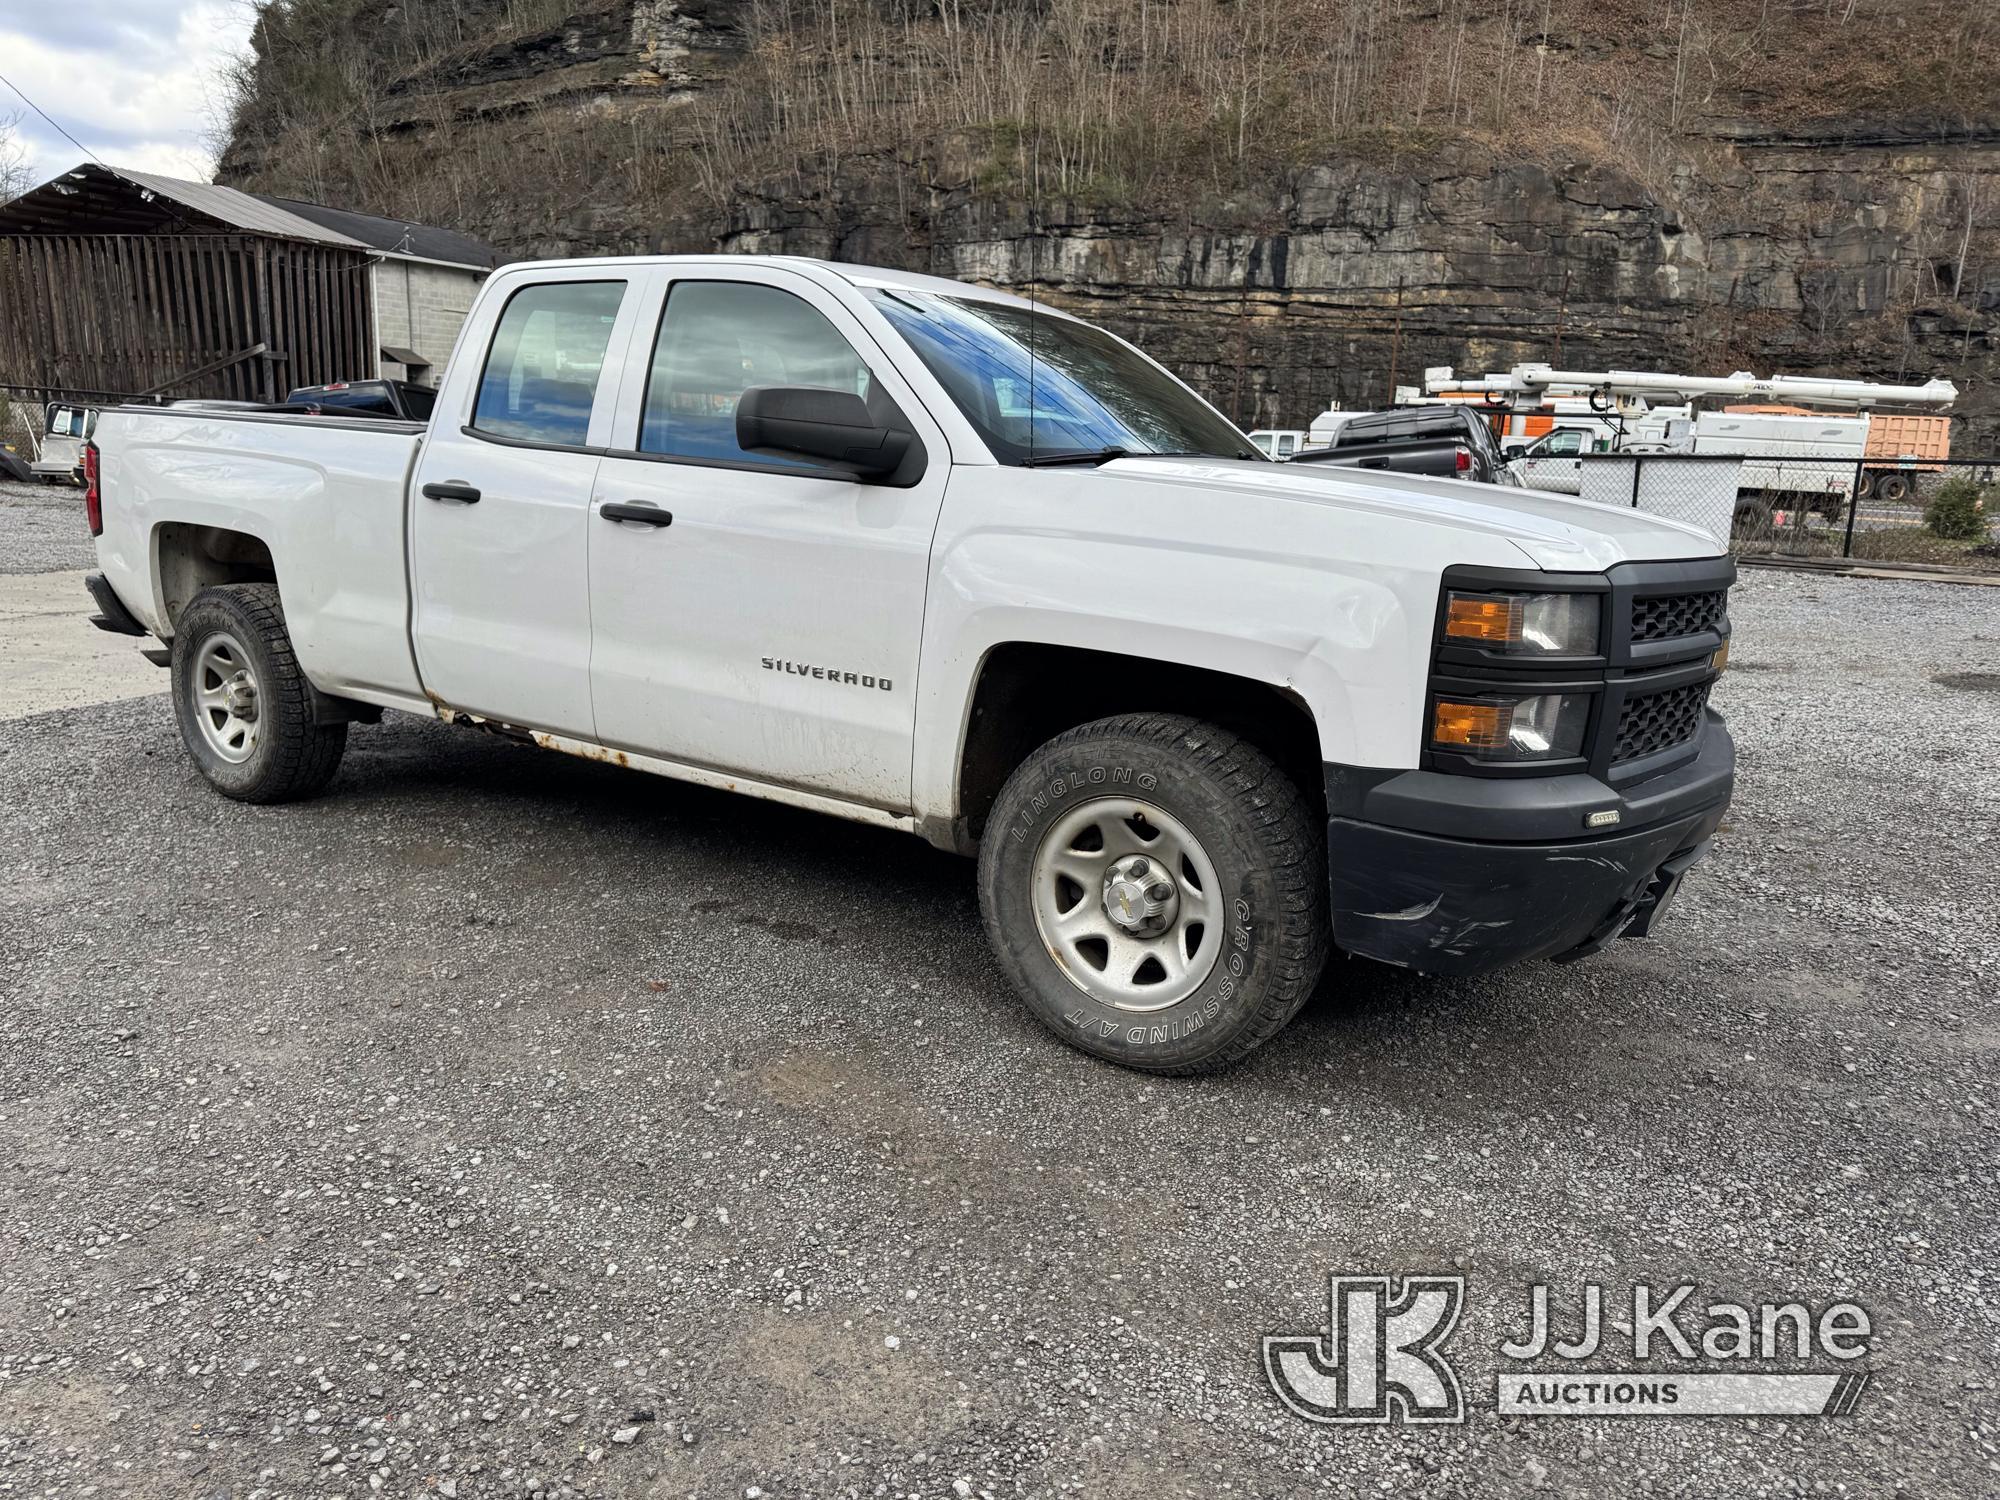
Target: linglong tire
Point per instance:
(1179, 977)
(244, 708)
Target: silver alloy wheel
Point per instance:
(1127, 903)
(225, 698)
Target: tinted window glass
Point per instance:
(1082, 391)
(1562, 444)
(718, 339)
(548, 351)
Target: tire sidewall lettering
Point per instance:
(1063, 784)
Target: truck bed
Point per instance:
(327, 489)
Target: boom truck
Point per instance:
(1794, 456)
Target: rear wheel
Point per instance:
(1892, 489)
(1155, 888)
(244, 708)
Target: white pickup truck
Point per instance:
(935, 558)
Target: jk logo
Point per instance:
(1380, 1357)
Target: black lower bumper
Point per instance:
(1410, 894)
(113, 615)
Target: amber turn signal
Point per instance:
(1483, 617)
(1471, 726)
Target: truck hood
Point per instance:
(1557, 533)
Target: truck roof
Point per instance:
(860, 276)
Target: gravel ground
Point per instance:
(502, 1124)
(42, 529)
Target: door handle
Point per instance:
(646, 515)
(452, 489)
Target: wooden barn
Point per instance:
(117, 284)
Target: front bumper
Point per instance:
(1461, 875)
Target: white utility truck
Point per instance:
(935, 558)
(1793, 457)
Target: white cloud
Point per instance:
(134, 80)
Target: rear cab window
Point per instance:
(545, 362)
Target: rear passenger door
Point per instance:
(500, 504)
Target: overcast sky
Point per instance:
(131, 79)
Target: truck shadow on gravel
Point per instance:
(852, 893)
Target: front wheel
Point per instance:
(244, 708)
(1155, 888)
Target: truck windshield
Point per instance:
(1086, 393)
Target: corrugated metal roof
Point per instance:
(395, 236)
(96, 199)
(239, 210)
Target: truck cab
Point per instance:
(66, 427)
(1554, 462)
(943, 560)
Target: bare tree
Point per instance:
(16, 176)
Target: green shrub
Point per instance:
(1958, 512)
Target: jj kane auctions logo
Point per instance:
(1382, 1359)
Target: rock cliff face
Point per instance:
(1844, 247)
(1350, 278)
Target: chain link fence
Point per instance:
(20, 431)
(1940, 513)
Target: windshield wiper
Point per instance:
(1105, 455)
(1078, 456)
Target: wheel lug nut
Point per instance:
(1159, 892)
(1139, 867)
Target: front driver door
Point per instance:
(771, 630)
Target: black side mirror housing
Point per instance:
(831, 427)
(1512, 450)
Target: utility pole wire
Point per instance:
(54, 123)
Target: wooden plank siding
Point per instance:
(95, 317)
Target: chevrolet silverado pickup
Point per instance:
(942, 560)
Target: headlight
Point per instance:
(1524, 624)
(1548, 726)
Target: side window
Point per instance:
(1566, 444)
(541, 374)
(718, 339)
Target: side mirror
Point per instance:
(834, 427)
(1513, 450)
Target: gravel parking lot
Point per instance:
(42, 529)
(502, 1123)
